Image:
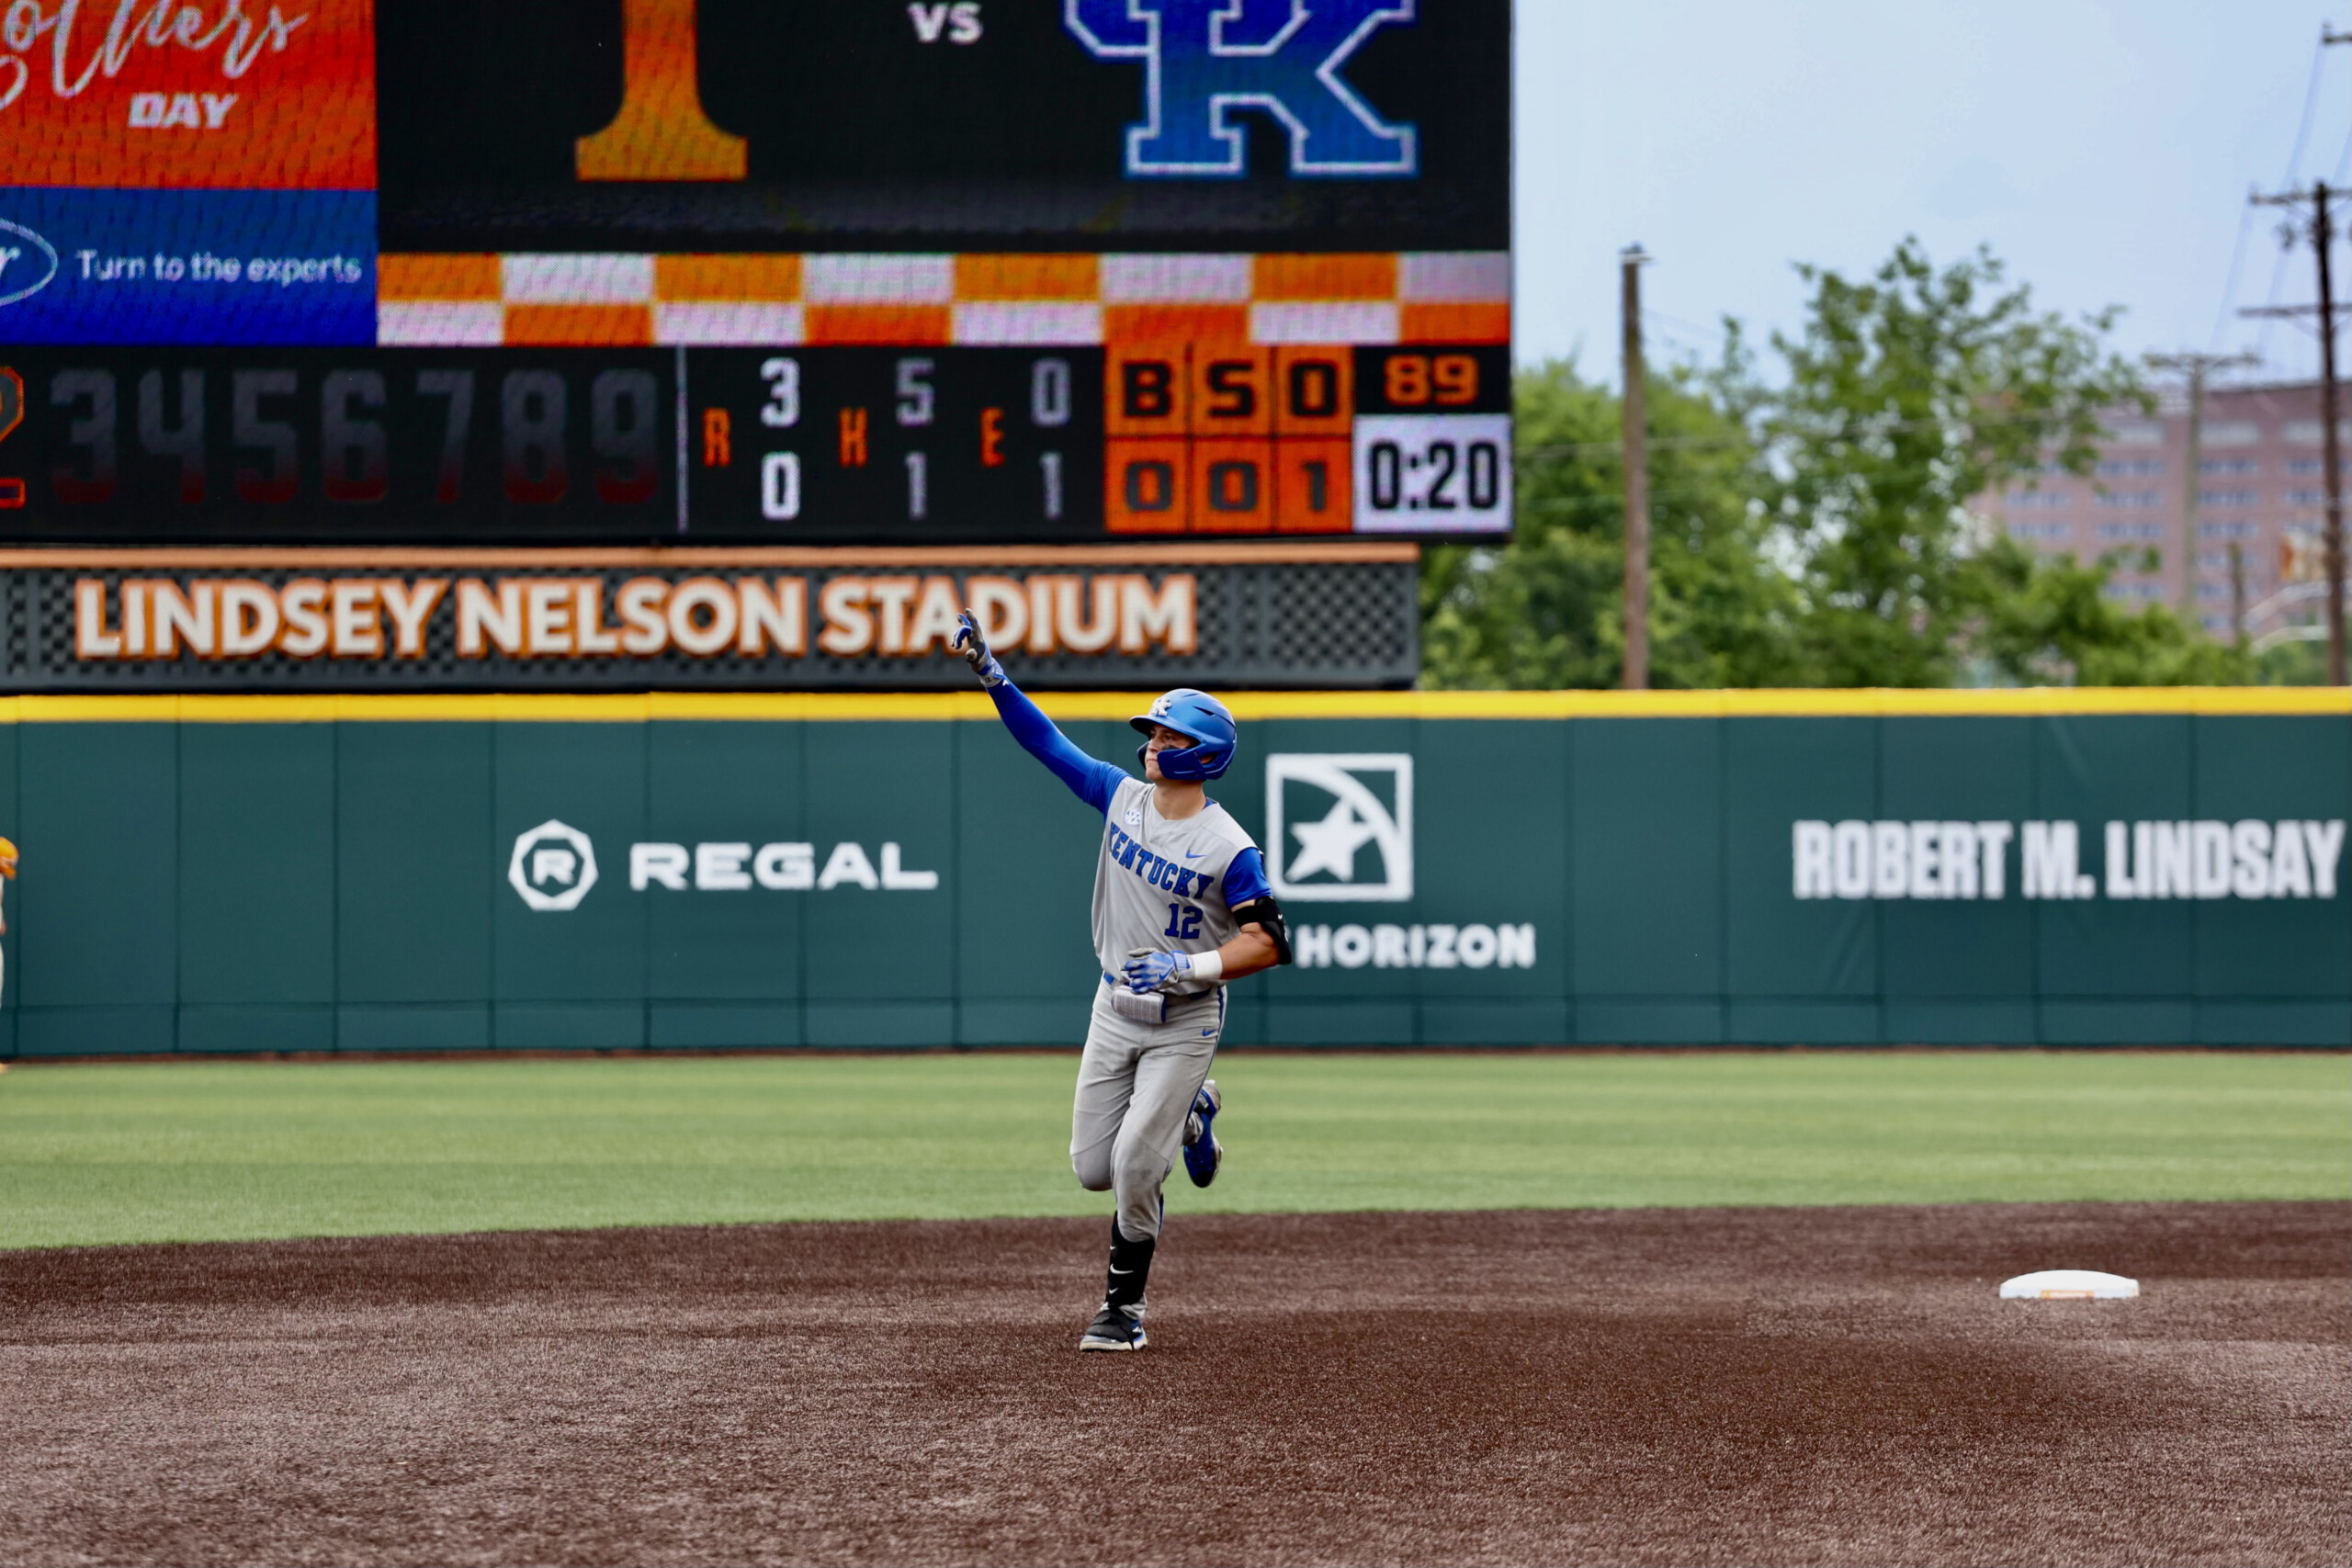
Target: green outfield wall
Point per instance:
(400, 873)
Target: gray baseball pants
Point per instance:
(1136, 1085)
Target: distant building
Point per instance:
(2262, 486)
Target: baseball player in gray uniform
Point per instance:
(1181, 908)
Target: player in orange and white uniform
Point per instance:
(8, 875)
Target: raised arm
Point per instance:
(1090, 779)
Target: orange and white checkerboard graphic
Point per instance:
(1448, 296)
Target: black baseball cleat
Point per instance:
(1203, 1153)
(1114, 1330)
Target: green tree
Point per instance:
(1908, 395)
(1547, 610)
(2050, 623)
(2291, 665)
(1816, 528)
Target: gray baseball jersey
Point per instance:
(1170, 886)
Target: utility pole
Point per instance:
(2198, 366)
(1637, 479)
(2237, 595)
(2323, 238)
(2331, 436)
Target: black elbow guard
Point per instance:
(1268, 915)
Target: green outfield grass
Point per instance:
(211, 1150)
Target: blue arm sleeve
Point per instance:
(1092, 781)
(1245, 879)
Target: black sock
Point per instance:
(1130, 1270)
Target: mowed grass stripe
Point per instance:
(218, 1150)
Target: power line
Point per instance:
(2284, 312)
(1651, 314)
(2246, 215)
(2311, 98)
(1863, 431)
(2278, 277)
(1685, 354)
(1600, 500)
(2237, 260)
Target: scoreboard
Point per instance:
(749, 445)
(549, 272)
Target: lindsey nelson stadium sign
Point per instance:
(1340, 616)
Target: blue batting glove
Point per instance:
(1149, 972)
(974, 650)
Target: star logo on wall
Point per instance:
(1311, 857)
(1331, 844)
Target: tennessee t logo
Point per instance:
(661, 133)
(1205, 58)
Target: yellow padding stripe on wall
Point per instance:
(853, 707)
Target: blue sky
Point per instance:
(2103, 148)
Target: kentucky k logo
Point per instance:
(1330, 835)
(1206, 58)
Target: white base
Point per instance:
(2069, 1285)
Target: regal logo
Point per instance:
(1207, 58)
(553, 866)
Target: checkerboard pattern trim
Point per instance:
(610, 300)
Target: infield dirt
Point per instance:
(1704, 1386)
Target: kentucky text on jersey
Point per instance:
(1180, 893)
(1129, 856)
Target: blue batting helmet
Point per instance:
(1204, 718)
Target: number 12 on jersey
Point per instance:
(1433, 473)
